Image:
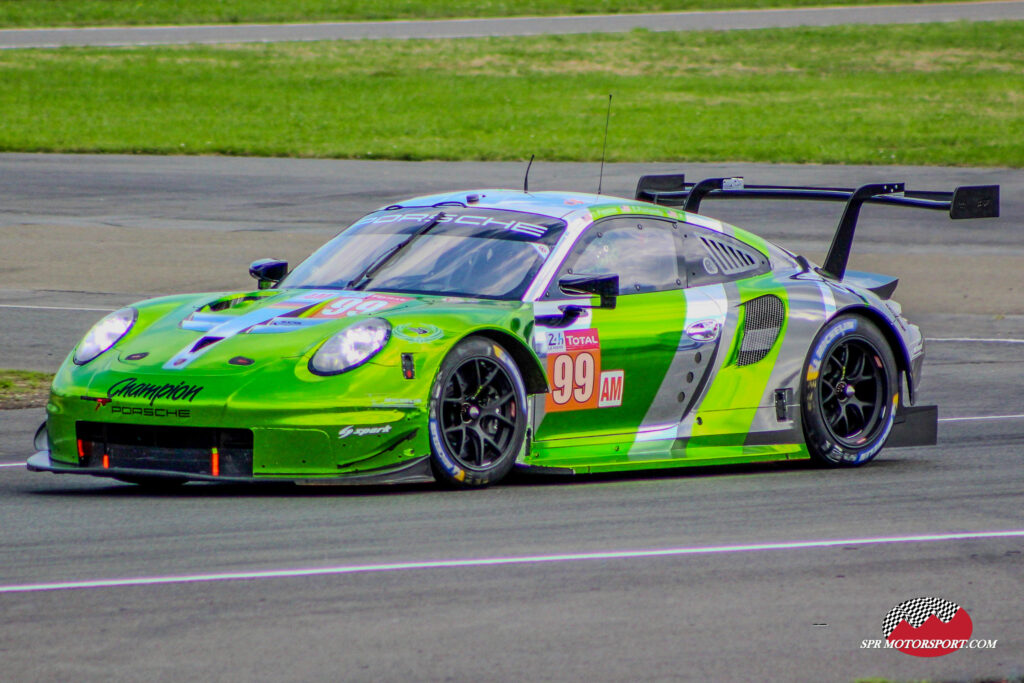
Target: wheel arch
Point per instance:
(895, 341)
(533, 375)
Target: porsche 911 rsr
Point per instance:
(461, 335)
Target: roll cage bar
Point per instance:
(980, 201)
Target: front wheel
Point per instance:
(477, 414)
(850, 392)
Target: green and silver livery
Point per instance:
(461, 335)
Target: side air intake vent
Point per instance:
(729, 259)
(762, 321)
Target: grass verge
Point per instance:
(941, 94)
(24, 389)
(35, 13)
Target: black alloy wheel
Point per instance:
(478, 414)
(852, 395)
(849, 396)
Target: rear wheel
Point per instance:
(477, 414)
(850, 392)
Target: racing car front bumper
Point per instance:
(415, 471)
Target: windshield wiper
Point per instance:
(360, 281)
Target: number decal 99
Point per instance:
(574, 370)
(561, 379)
(573, 377)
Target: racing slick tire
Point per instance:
(477, 414)
(850, 392)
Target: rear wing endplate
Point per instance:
(980, 201)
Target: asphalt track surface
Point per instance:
(516, 26)
(772, 572)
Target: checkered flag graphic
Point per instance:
(916, 611)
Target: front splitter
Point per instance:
(417, 471)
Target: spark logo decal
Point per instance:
(362, 431)
(927, 627)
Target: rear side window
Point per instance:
(712, 257)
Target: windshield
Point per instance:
(473, 252)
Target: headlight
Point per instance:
(351, 347)
(104, 334)
(41, 442)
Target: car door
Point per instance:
(621, 370)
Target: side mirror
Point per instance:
(605, 286)
(268, 271)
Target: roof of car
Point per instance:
(556, 204)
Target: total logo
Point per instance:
(572, 340)
(578, 340)
(350, 430)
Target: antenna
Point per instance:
(604, 147)
(526, 180)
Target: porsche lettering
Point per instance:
(482, 220)
(181, 413)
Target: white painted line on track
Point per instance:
(981, 417)
(499, 561)
(57, 308)
(12, 464)
(974, 340)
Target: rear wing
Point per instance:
(980, 201)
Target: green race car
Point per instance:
(458, 336)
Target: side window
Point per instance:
(712, 257)
(641, 251)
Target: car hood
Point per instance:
(231, 332)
